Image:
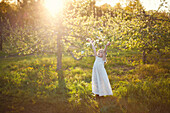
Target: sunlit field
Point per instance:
(48, 49)
(32, 85)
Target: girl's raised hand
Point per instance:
(108, 44)
(89, 40)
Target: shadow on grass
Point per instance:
(54, 104)
(109, 104)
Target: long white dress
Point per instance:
(100, 81)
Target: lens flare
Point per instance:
(54, 6)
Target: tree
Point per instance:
(6, 13)
(142, 31)
(38, 32)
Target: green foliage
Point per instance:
(127, 28)
(136, 36)
(36, 80)
(151, 70)
(151, 93)
(32, 80)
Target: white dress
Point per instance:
(100, 81)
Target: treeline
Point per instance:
(27, 28)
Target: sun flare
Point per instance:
(54, 6)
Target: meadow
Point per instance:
(31, 84)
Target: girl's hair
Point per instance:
(100, 50)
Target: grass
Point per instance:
(31, 84)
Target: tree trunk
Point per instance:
(159, 56)
(59, 51)
(1, 43)
(144, 57)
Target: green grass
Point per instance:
(31, 84)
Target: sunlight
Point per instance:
(148, 4)
(111, 2)
(54, 6)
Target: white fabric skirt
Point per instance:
(100, 80)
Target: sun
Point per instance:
(54, 6)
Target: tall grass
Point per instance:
(32, 85)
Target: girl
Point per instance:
(100, 82)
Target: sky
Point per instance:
(148, 4)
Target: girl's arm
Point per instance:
(104, 56)
(94, 49)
